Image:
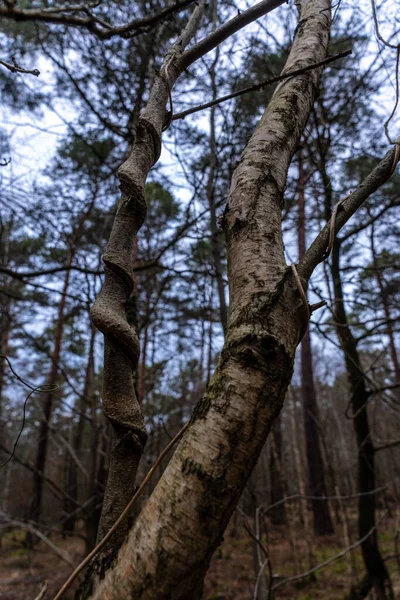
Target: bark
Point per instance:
(142, 369)
(121, 346)
(316, 478)
(377, 574)
(168, 550)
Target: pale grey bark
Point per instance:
(168, 550)
(121, 353)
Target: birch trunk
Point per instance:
(169, 548)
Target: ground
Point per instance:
(231, 575)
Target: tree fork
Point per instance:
(199, 489)
(121, 351)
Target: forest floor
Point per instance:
(231, 575)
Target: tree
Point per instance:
(266, 319)
(377, 574)
(169, 547)
(316, 478)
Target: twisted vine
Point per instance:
(121, 344)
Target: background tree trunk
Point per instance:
(316, 477)
(376, 569)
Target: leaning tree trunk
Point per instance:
(198, 492)
(316, 477)
(377, 574)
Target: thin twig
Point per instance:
(324, 498)
(43, 591)
(259, 86)
(41, 389)
(14, 67)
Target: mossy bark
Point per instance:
(168, 550)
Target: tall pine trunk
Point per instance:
(35, 507)
(277, 514)
(77, 438)
(316, 476)
(377, 574)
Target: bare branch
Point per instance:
(122, 516)
(378, 176)
(29, 274)
(64, 15)
(56, 489)
(388, 445)
(65, 556)
(14, 67)
(324, 498)
(43, 591)
(259, 86)
(220, 35)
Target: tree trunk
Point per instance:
(142, 370)
(72, 473)
(35, 507)
(376, 569)
(277, 514)
(5, 329)
(44, 427)
(316, 477)
(97, 481)
(168, 550)
(386, 309)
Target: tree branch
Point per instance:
(14, 67)
(259, 86)
(220, 35)
(330, 560)
(62, 16)
(378, 176)
(65, 556)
